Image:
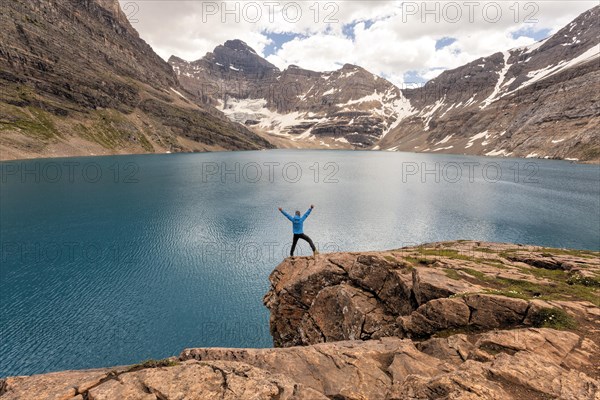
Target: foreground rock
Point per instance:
(459, 320)
(525, 363)
(420, 291)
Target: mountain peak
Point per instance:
(238, 45)
(235, 56)
(175, 59)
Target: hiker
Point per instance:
(298, 227)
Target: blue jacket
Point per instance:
(297, 221)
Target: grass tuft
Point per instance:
(166, 362)
(553, 318)
(452, 274)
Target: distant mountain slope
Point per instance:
(537, 101)
(76, 79)
(346, 107)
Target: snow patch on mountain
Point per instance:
(530, 48)
(478, 136)
(443, 148)
(444, 140)
(501, 152)
(179, 94)
(535, 76)
(427, 116)
(501, 77)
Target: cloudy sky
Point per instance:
(403, 41)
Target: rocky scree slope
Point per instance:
(454, 320)
(76, 79)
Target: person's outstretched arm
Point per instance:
(307, 213)
(288, 216)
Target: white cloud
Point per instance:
(318, 52)
(394, 44)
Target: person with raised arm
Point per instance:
(298, 229)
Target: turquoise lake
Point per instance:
(113, 260)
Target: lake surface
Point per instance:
(114, 260)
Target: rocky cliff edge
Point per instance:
(454, 320)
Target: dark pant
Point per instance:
(304, 237)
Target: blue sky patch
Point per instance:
(348, 29)
(412, 78)
(537, 35)
(444, 42)
(278, 39)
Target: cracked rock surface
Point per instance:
(420, 291)
(453, 320)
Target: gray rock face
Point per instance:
(77, 79)
(348, 106)
(237, 55)
(527, 102)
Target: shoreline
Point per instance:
(59, 157)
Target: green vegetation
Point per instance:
(545, 284)
(542, 273)
(557, 290)
(419, 261)
(550, 252)
(553, 318)
(452, 274)
(476, 274)
(456, 255)
(485, 250)
(578, 279)
(468, 329)
(111, 130)
(32, 121)
(166, 362)
(508, 293)
(443, 253)
(494, 263)
(562, 285)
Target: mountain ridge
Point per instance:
(531, 101)
(524, 102)
(296, 102)
(98, 88)
(78, 80)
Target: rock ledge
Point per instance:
(453, 320)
